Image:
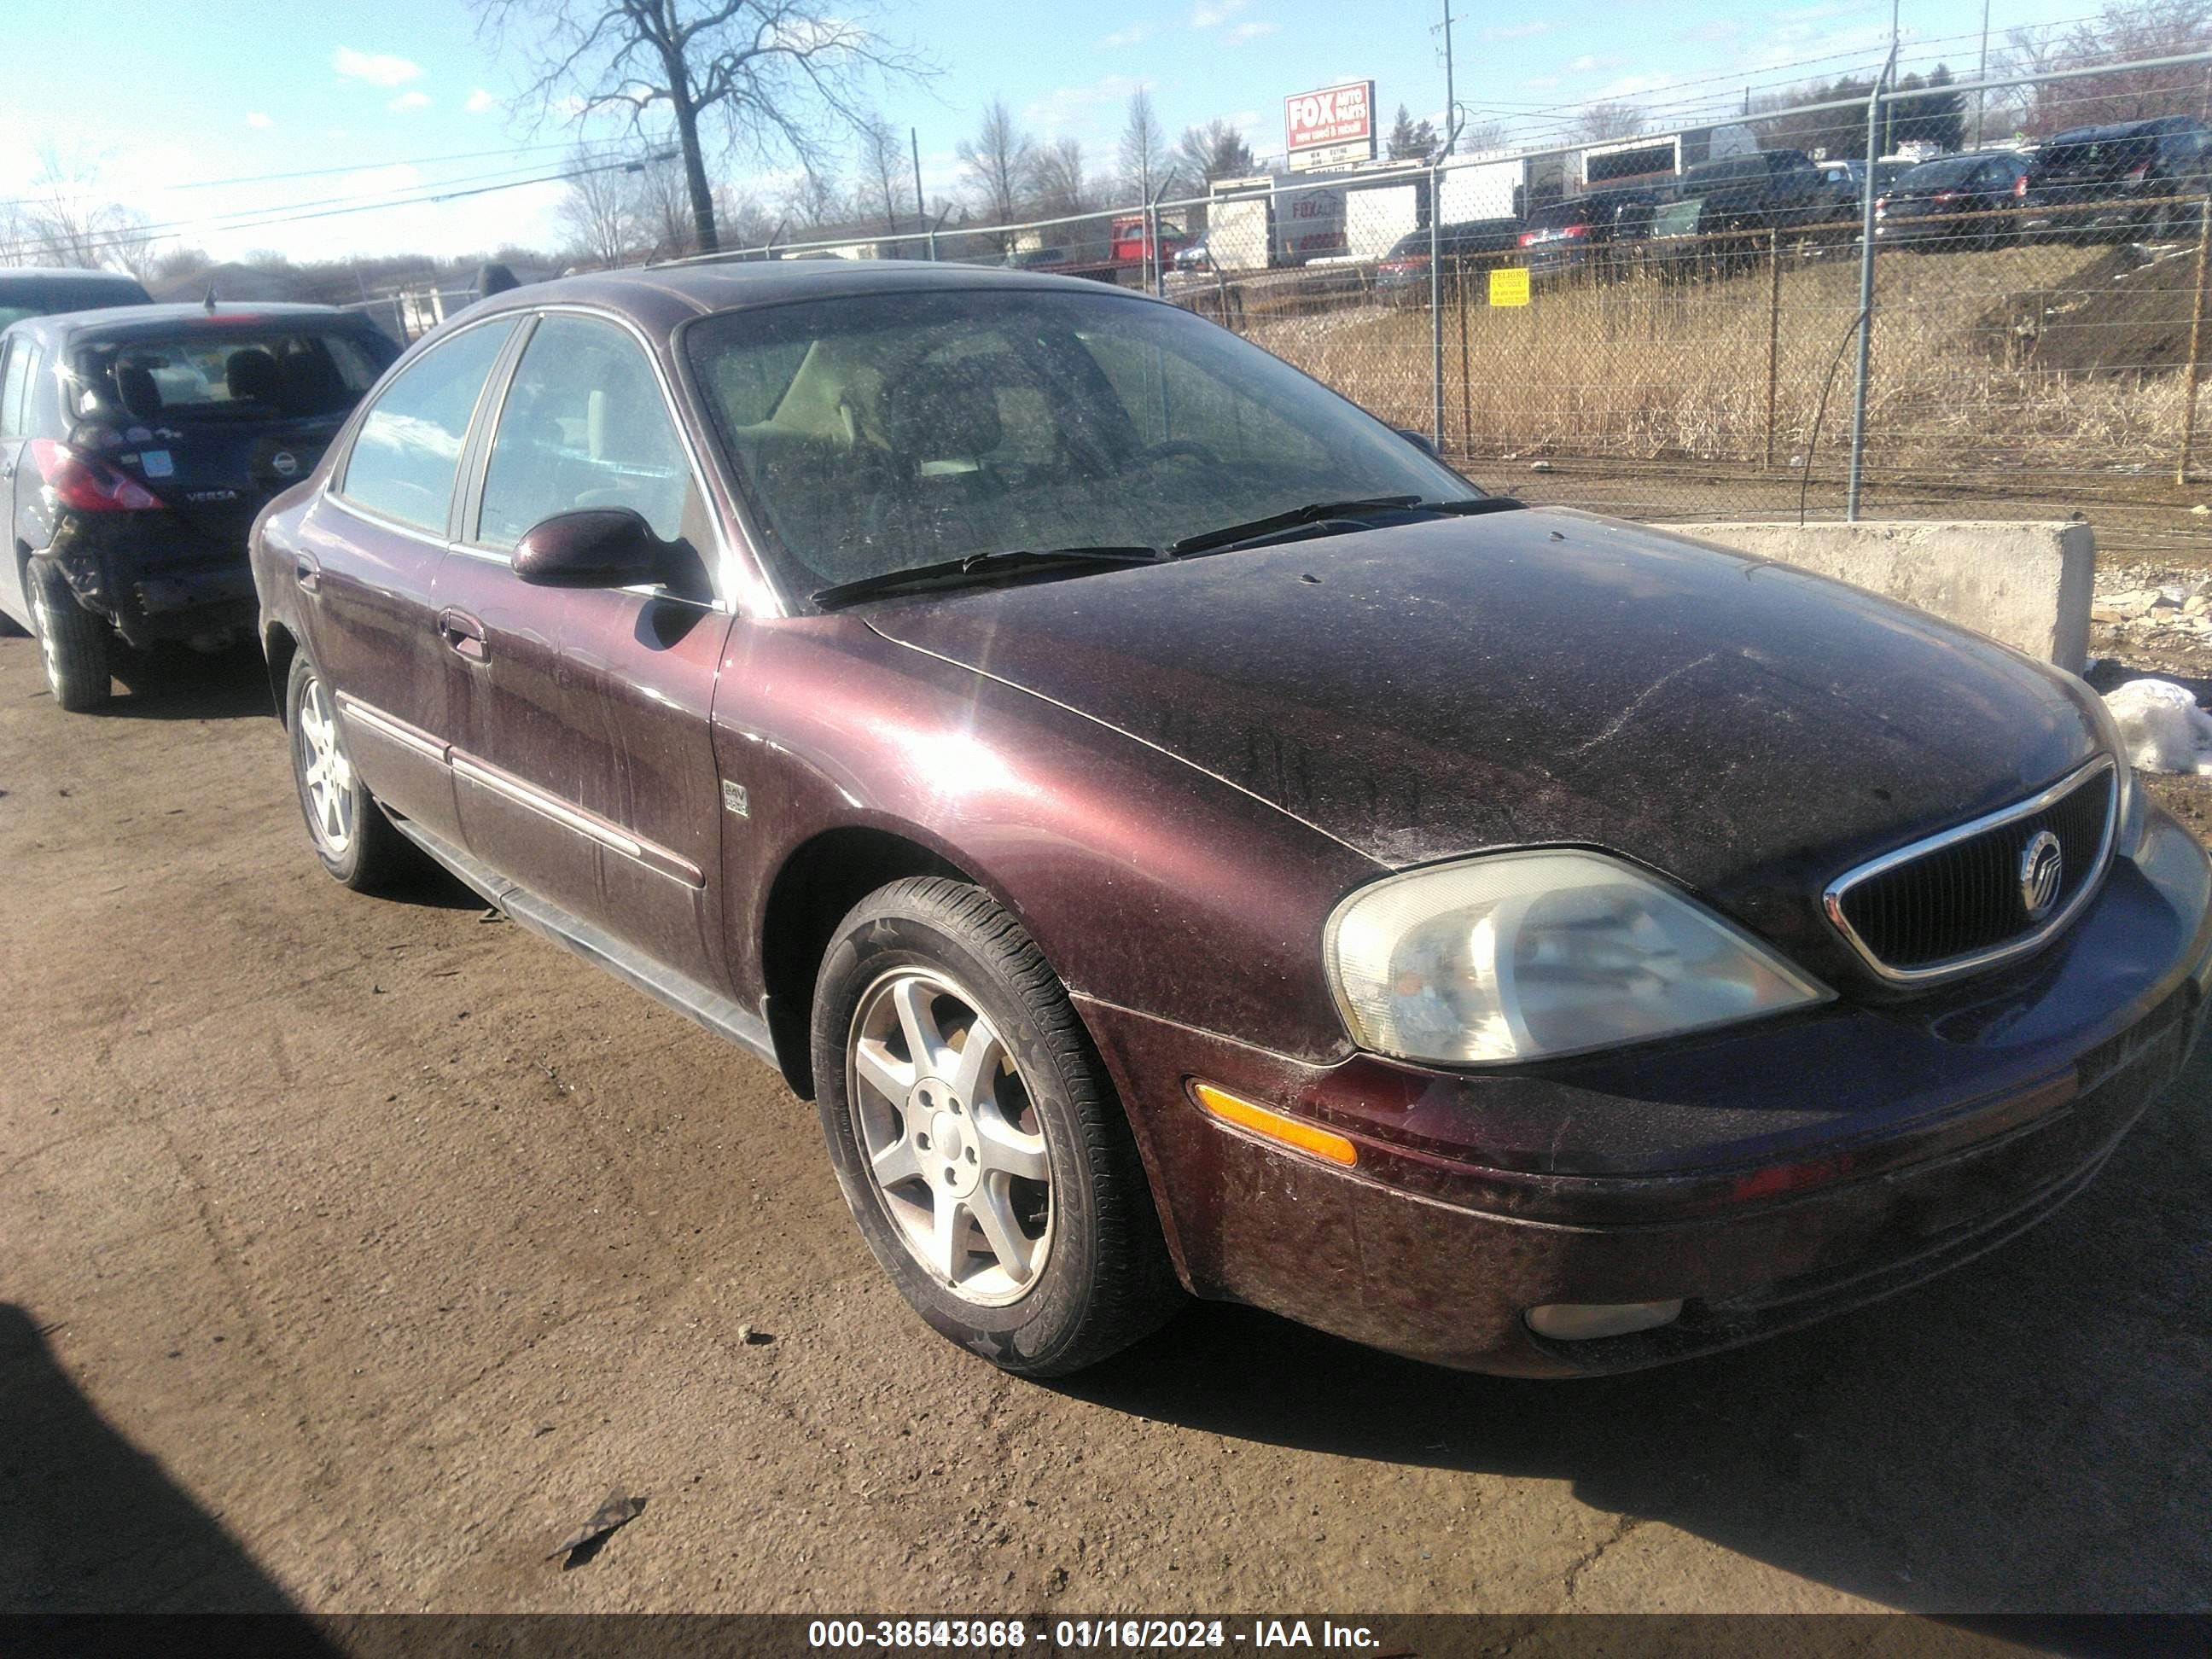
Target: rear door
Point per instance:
(368, 560)
(583, 760)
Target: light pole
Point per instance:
(1981, 74)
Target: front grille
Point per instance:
(1953, 902)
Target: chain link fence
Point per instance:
(1681, 343)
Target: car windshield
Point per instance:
(890, 432)
(1678, 218)
(231, 374)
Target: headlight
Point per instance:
(1523, 956)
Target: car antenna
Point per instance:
(209, 301)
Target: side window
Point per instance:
(404, 462)
(585, 425)
(15, 390)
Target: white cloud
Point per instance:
(1127, 37)
(480, 100)
(1067, 106)
(1589, 63)
(257, 119)
(1523, 31)
(1213, 13)
(378, 68)
(407, 101)
(1251, 31)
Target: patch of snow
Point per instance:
(2162, 726)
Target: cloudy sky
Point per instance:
(322, 128)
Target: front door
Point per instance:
(583, 761)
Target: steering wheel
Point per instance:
(1173, 447)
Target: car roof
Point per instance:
(2126, 130)
(157, 321)
(658, 298)
(10, 274)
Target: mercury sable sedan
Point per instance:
(1186, 838)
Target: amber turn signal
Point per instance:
(1287, 1131)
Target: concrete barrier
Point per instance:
(2027, 585)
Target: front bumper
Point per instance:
(1768, 1177)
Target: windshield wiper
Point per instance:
(1255, 531)
(983, 566)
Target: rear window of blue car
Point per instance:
(232, 374)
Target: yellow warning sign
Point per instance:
(1510, 287)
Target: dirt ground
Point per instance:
(353, 1251)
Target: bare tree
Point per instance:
(1001, 161)
(1599, 122)
(1480, 137)
(813, 201)
(599, 212)
(771, 75)
(1216, 150)
(1147, 164)
(1061, 187)
(883, 170)
(662, 220)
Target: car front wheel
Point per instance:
(354, 839)
(977, 1138)
(72, 642)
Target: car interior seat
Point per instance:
(251, 375)
(141, 394)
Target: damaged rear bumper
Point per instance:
(154, 587)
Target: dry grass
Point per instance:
(1643, 371)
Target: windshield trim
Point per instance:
(781, 572)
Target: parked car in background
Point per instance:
(1600, 233)
(2130, 178)
(1765, 189)
(1469, 249)
(1970, 201)
(1178, 831)
(1684, 245)
(136, 445)
(30, 291)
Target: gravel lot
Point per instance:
(352, 1250)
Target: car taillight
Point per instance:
(2135, 173)
(1942, 197)
(2019, 188)
(1882, 205)
(88, 486)
(1528, 238)
(1575, 231)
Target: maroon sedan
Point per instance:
(1185, 837)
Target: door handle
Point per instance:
(464, 634)
(306, 573)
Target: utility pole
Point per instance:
(1981, 74)
(914, 143)
(1451, 102)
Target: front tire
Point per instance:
(72, 642)
(351, 836)
(977, 1138)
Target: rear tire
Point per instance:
(351, 836)
(73, 643)
(999, 1186)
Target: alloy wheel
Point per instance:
(952, 1136)
(42, 625)
(326, 773)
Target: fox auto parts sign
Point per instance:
(1332, 127)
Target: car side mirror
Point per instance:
(1420, 441)
(590, 547)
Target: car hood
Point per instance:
(1423, 690)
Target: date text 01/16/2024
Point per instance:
(1082, 1634)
